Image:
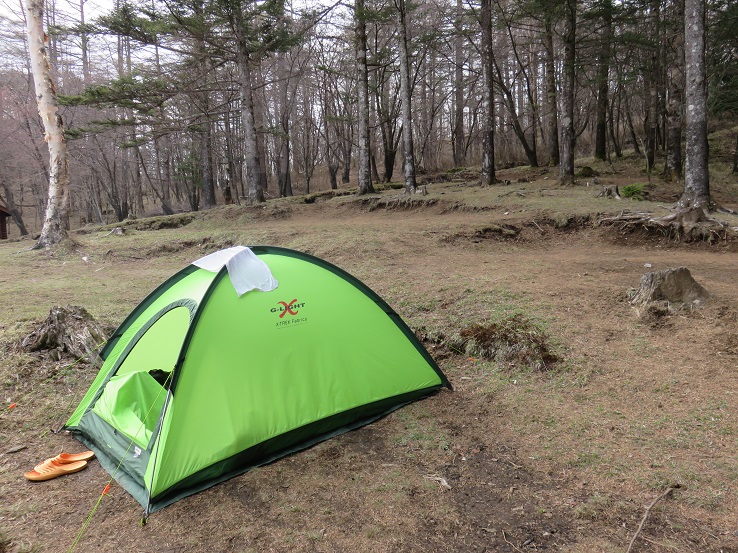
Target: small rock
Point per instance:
(647, 265)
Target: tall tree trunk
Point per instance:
(364, 180)
(233, 175)
(696, 175)
(332, 172)
(611, 122)
(631, 129)
(459, 148)
(164, 203)
(406, 93)
(568, 136)
(54, 229)
(330, 140)
(83, 44)
(284, 177)
(488, 97)
(603, 80)
(651, 122)
(735, 157)
(530, 152)
(346, 169)
(202, 103)
(552, 126)
(251, 153)
(673, 165)
(206, 159)
(252, 161)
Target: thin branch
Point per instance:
(648, 512)
(511, 544)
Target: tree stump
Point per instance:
(610, 191)
(663, 292)
(67, 330)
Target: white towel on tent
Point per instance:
(246, 271)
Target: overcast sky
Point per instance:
(11, 9)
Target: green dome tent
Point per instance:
(244, 356)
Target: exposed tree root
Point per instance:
(688, 225)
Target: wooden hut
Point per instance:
(4, 214)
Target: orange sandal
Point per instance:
(66, 458)
(74, 457)
(51, 469)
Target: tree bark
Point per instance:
(552, 127)
(696, 175)
(603, 81)
(459, 152)
(631, 128)
(54, 229)
(651, 121)
(251, 153)
(408, 147)
(257, 84)
(202, 97)
(611, 122)
(83, 44)
(488, 117)
(673, 164)
(206, 159)
(530, 152)
(364, 177)
(284, 177)
(568, 136)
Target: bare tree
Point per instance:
(55, 221)
(245, 64)
(458, 130)
(365, 180)
(568, 136)
(552, 125)
(603, 79)
(488, 124)
(406, 93)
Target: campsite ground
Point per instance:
(561, 457)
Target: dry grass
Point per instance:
(567, 458)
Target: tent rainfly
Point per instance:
(244, 356)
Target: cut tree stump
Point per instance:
(67, 330)
(610, 191)
(664, 292)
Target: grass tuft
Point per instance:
(512, 340)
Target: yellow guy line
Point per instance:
(110, 481)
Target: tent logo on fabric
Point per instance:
(291, 308)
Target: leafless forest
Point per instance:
(183, 105)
